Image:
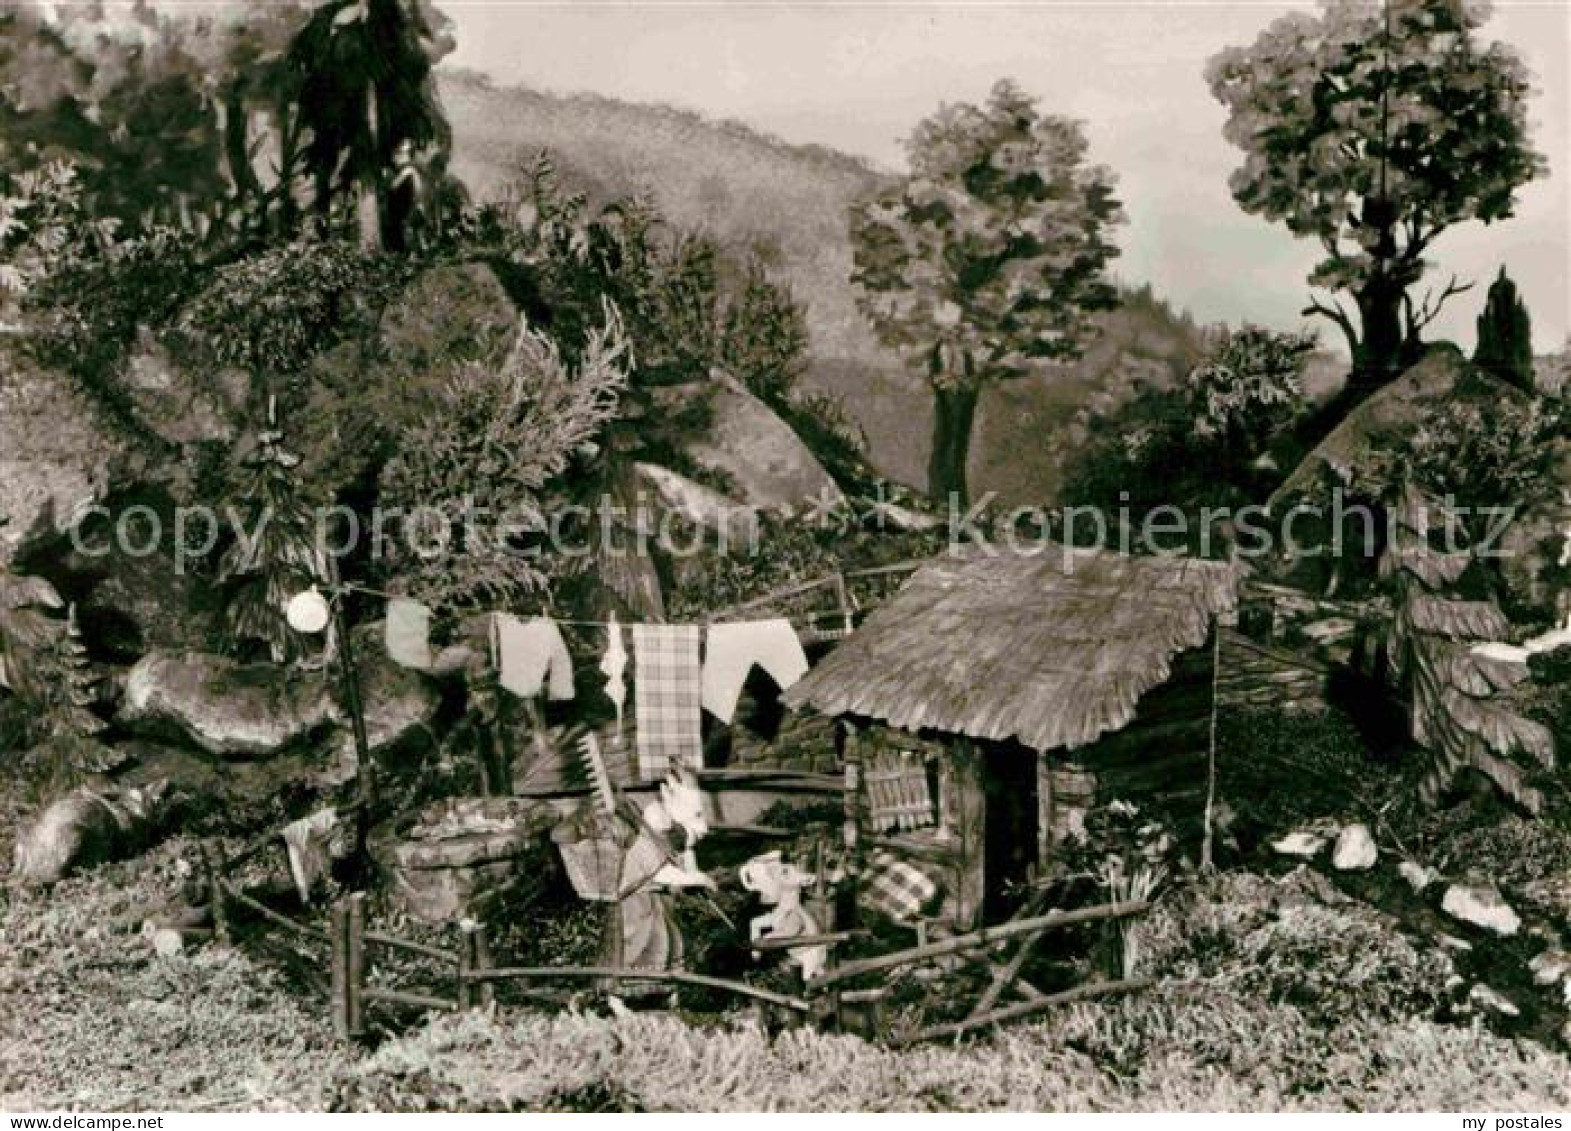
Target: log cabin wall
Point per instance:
(1260, 676)
(953, 844)
(1158, 761)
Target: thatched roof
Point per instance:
(1052, 649)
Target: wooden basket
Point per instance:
(592, 857)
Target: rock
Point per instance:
(1303, 845)
(167, 943)
(241, 711)
(179, 405)
(85, 827)
(1377, 425)
(1482, 905)
(757, 451)
(58, 454)
(1355, 849)
(1492, 1001)
(699, 505)
(138, 603)
(71, 757)
(227, 708)
(1418, 876)
(1550, 967)
(399, 703)
(460, 851)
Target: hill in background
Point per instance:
(746, 188)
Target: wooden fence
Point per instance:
(825, 1000)
(830, 999)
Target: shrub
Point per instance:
(489, 447)
(1276, 769)
(85, 316)
(270, 313)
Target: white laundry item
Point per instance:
(733, 650)
(614, 665)
(307, 842)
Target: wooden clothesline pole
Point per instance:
(1216, 680)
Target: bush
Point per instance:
(480, 461)
(272, 312)
(1277, 769)
(86, 315)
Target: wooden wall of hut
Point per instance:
(1158, 762)
(953, 845)
(1257, 675)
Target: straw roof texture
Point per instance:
(1052, 649)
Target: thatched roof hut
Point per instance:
(1051, 650)
(1034, 686)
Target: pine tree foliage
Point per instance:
(83, 686)
(1458, 701)
(476, 477)
(275, 554)
(1505, 335)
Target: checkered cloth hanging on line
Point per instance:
(666, 690)
(896, 888)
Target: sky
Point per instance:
(858, 76)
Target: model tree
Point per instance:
(1505, 335)
(1372, 130)
(1460, 706)
(367, 96)
(275, 554)
(988, 259)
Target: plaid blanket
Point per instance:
(666, 689)
(896, 888)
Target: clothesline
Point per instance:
(347, 587)
(676, 677)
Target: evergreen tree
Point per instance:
(83, 684)
(1460, 701)
(1505, 335)
(274, 555)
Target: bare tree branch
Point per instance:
(1428, 310)
(1338, 314)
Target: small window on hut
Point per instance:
(902, 790)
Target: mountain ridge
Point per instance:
(746, 187)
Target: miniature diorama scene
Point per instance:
(920, 558)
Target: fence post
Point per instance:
(466, 963)
(338, 945)
(482, 961)
(851, 830)
(214, 865)
(354, 967)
